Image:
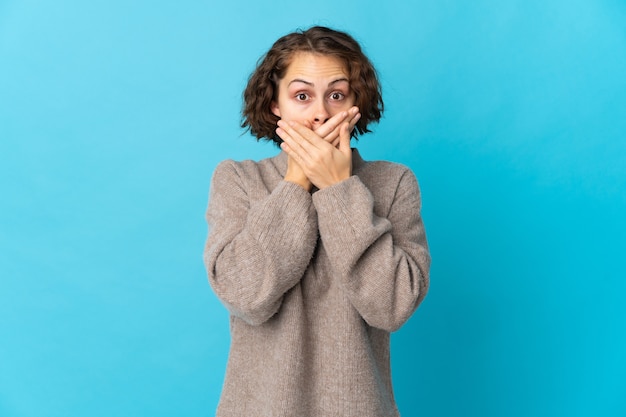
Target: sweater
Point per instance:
(314, 283)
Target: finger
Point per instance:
(352, 117)
(352, 112)
(291, 139)
(344, 139)
(307, 138)
(336, 137)
(302, 142)
(330, 129)
(285, 147)
(293, 155)
(354, 121)
(331, 124)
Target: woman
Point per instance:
(317, 254)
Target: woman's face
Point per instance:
(315, 88)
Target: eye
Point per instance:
(337, 95)
(302, 96)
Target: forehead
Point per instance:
(308, 65)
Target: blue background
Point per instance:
(113, 115)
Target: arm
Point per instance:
(382, 262)
(256, 250)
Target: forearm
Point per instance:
(256, 251)
(382, 262)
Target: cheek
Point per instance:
(339, 107)
(343, 105)
(292, 112)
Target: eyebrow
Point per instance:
(299, 80)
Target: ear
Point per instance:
(275, 109)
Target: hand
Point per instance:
(323, 163)
(296, 175)
(329, 131)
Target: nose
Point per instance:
(320, 113)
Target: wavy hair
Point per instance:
(262, 87)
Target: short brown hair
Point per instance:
(262, 87)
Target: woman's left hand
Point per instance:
(322, 163)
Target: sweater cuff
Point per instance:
(288, 217)
(345, 210)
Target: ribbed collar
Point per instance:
(280, 161)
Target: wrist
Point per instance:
(302, 182)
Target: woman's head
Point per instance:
(318, 55)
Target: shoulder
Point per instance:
(230, 165)
(254, 177)
(391, 184)
(245, 168)
(385, 167)
(229, 174)
(385, 174)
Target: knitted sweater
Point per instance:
(314, 283)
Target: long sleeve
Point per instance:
(381, 259)
(258, 248)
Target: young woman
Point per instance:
(317, 254)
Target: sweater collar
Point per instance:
(280, 161)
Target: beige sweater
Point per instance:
(314, 284)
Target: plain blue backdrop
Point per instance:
(113, 115)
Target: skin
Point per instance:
(317, 113)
